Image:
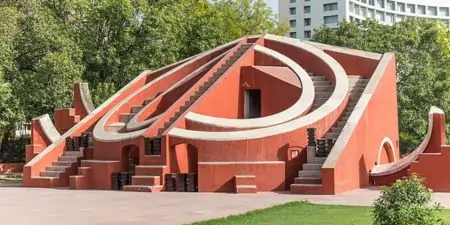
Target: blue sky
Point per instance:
(273, 4)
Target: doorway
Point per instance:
(252, 103)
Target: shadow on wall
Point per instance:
(184, 159)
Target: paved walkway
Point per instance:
(32, 206)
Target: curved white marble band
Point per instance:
(100, 134)
(86, 99)
(303, 103)
(394, 167)
(48, 128)
(134, 124)
(338, 96)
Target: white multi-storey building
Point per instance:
(306, 15)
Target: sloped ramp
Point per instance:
(388, 171)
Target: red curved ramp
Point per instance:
(388, 173)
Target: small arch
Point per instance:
(386, 147)
(130, 157)
(183, 158)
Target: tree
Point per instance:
(48, 45)
(423, 68)
(407, 202)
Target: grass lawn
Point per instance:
(6, 179)
(305, 214)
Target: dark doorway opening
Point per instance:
(252, 103)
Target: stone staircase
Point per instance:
(124, 118)
(241, 50)
(245, 184)
(323, 90)
(311, 174)
(57, 175)
(147, 178)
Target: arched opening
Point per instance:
(184, 159)
(130, 158)
(183, 176)
(386, 152)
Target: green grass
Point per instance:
(11, 177)
(305, 214)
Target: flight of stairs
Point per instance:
(57, 175)
(147, 178)
(124, 118)
(241, 50)
(323, 90)
(311, 174)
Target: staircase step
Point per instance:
(323, 88)
(312, 166)
(125, 117)
(323, 95)
(146, 180)
(62, 163)
(143, 188)
(115, 127)
(246, 189)
(136, 109)
(336, 129)
(310, 173)
(308, 189)
(73, 153)
(152, 170)
(321, 82)
(332, 135)
(66, 158)
(50, 173)
(318, 78)
(147, 101)
(317, 160)
(56, 168)
(308, 180)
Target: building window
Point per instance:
(292, 11)
(371, 2)
(432, 10)
(411, 8)
(356, 9)
(400, 7)
(307, 9)
(400, 18)
(421, 9)
(371, 13)
(293, 1)
(330, 19)
(379, 16)
(307, 22)
(380, 4)
(293, 34)
(330, 7)
(390, 5)
(364, 11)
(307, 34)
(292, 23)
(390, 18)
(443, 11)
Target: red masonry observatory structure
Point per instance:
(262, 113)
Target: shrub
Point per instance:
(407, 202)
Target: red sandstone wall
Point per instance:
(220, 177)
(276, 95)
(378, 121)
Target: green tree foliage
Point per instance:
(407, 202)
(423, 68)
(47, 45)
